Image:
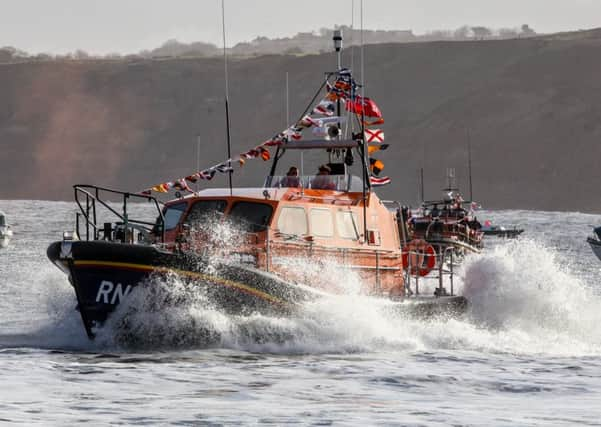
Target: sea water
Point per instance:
(528, 352)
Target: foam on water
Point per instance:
(331, 325)
(530, 302)
(521, 301)
(324, 272)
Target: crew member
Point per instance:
(291, 179)
(323, 180)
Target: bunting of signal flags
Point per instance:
(343, 89)
(375, 143)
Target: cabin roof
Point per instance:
(278, 194)
(251, 192)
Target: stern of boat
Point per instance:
(595, 246)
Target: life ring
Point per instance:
(421, 256)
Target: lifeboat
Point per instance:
(279, 235)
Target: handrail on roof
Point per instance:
(302, 195)
(92, 195)
(320, 144)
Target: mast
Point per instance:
(197, 159)
(421, 185)
(451, 182)
(337, 38)
(227, 107)
(302, 155)
(348, 125)
(287, 102)
(366, 173)
(469, 163)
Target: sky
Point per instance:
(129, 26)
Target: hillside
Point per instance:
(532, 107)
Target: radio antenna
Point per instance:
(227, 107)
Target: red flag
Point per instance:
(364, 106)
(371, 109)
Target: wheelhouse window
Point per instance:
(322, 224)
(252, 217)
(346, 224)
(293, 221)
(204, 210)
(173, 214)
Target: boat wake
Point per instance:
(54, 324)
(522, 301)
(528, 301)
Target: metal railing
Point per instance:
(444, 267)
(124, 229)
(347, 183)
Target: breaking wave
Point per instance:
(525, 296)
(523, 300)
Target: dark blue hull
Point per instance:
(103, 274)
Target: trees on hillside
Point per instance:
(481, 33)
(301, 43)
(527, 31)
(10, 54)
(508, 33)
